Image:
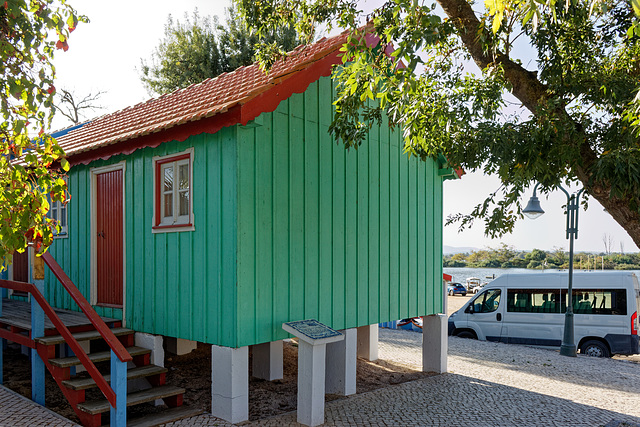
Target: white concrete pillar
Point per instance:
(180, 346)
(267, 360)
(434, 343)
(230, 383)
(311, 374)
(86, 346)
(153, 343)
(340, 376)
(368, 342)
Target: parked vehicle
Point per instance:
(477, 288)
(456, 289)
(472, 282)
(529, 309)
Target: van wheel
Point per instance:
(594, 349)
(466, 334)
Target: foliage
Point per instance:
(30, 33)
(507, 257)
(572, 121)
(199, 48)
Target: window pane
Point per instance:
(63, 216)
(168, 205)
(184, 177)
(184, 203)
(54, 211)
(533, 300)
(168, 178)
(598, 301)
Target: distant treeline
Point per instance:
(508, 257)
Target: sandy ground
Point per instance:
(457, 301)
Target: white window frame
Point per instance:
(161, 223)
(58, 207)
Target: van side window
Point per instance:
(597, 301)
(533, 300)
(487, 302)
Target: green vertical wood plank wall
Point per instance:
(349, 238)
(179, 284)
(288, 226)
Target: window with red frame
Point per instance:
(173, 191)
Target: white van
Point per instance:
(529, 309)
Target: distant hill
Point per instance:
(450, 250)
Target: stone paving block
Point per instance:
(17, 410)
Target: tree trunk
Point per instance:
(533, 94)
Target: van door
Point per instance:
(485, 314)
(533, 316)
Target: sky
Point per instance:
(105, 55)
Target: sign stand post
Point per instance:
(313, 338)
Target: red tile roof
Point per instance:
(203, 107)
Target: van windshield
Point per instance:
(487, 301)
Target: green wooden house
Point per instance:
(220, 211)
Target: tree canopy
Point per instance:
(552, 102)
(507, 257)
(31, 32)
(199, 48)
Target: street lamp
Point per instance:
(533, 211)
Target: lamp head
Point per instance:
(533, 209)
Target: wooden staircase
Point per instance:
(95, 412)
(121, 359)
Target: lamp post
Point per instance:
(533, 211)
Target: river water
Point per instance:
(460, 274)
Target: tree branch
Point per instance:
(533, 94)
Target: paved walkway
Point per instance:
(17, 410)
(488, 384)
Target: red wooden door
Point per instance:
(109, 243)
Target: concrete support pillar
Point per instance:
(86, 346)
(311, 378)
(368, 342)
(230, 383)
(340, 377)
(180, 346)
(153, 343)
(434, 343)
(267, 361)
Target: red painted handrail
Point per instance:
(66, 334)
(86, 308)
